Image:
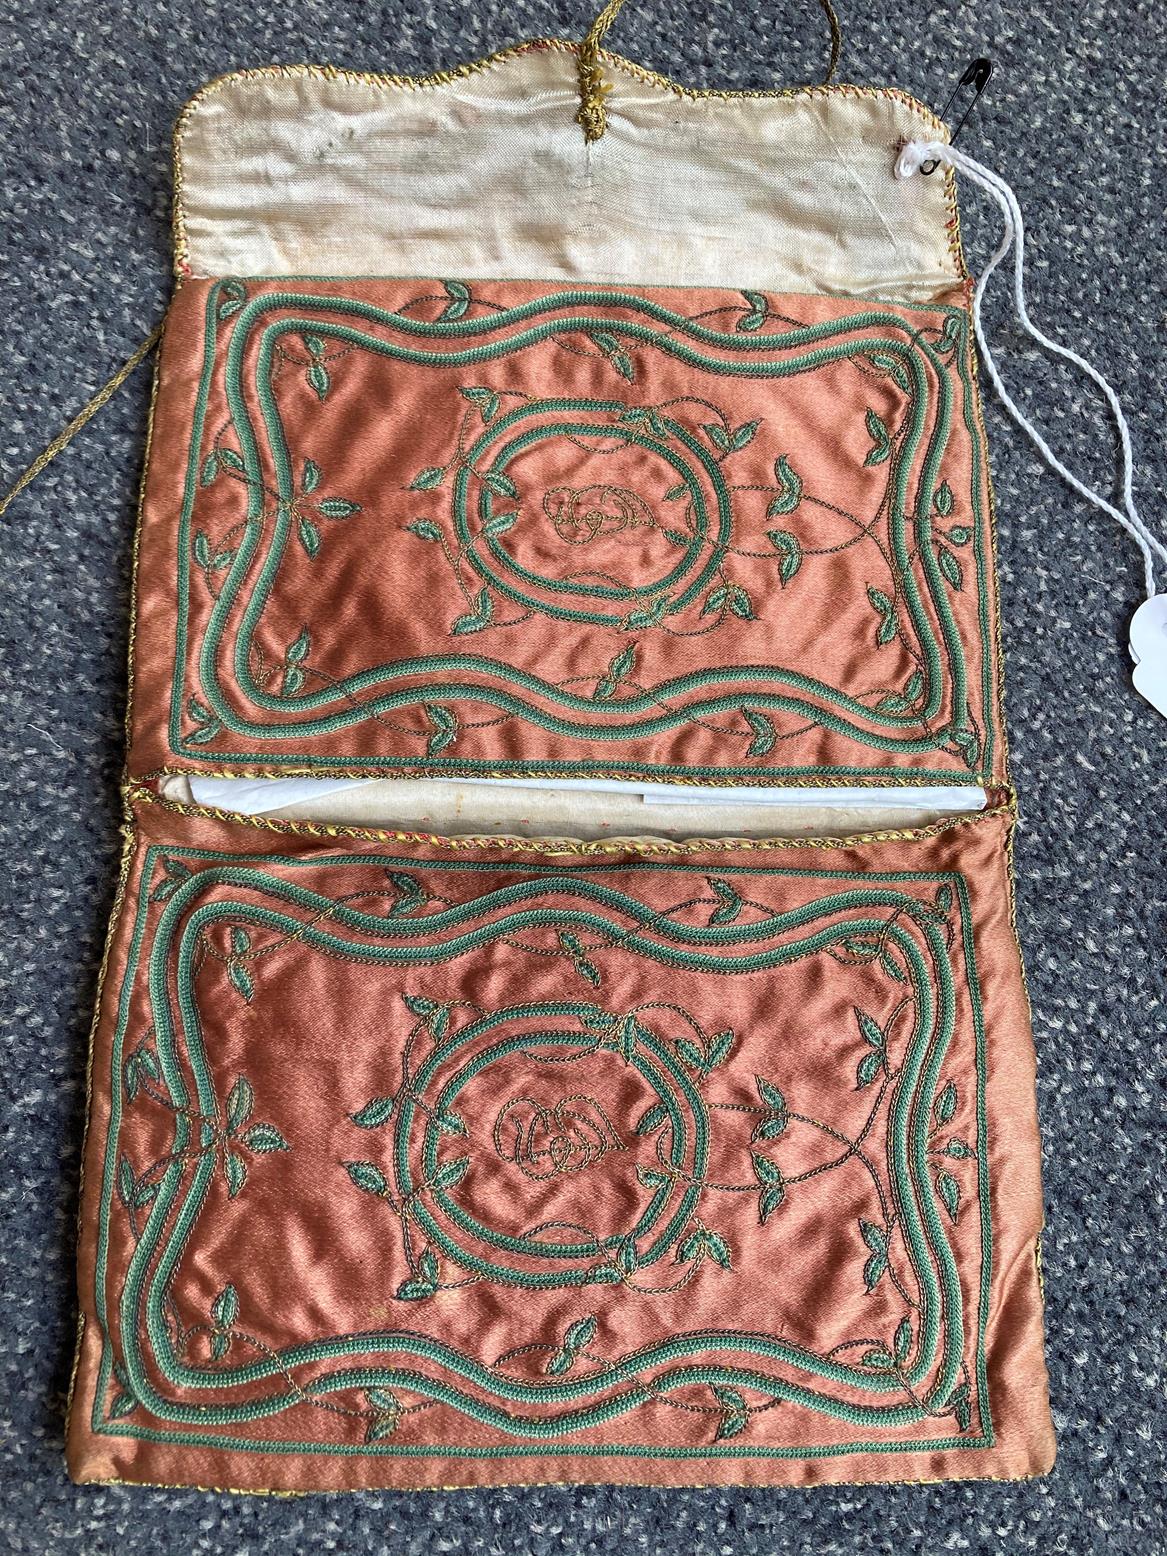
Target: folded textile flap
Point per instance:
(508, 529)
(658, 1163)
(310, 171)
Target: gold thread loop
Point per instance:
(64, 438)
(592, 86)
(593, 113)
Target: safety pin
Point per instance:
(977, 75)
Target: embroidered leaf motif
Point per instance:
(886, 363)
(576, 1339)
(175, 874)
(619, 667)
(486, 400)
(240, 1103)
(719, 1046)
(234, 294)
(309, 535)
(230, 460)
(459, 294)
(777, 1118)
(789, 493)
(236, 1171)
(763, 732)
(626, 1258)
(960, 534)
(424, 529)
(647, 616)
(773, 1186)
(879, 1359)
(945, 1104)
(715, 600)
(451, 1174)
(652, 1118)
(870, 1029)
(388, 1413)
(728, 441)
(444, 726)
(949, 1191)
(201, 548)
(368, 1177)
(264, 1138)
(734, 1415)
(202, 715)
(426, 480)
(875, 1266)
(237, 973)
(295, 654)
(299, 651)
(900, 702)
(958, 1402)
(424, 1283)
(481, 616)
(436, 1016)
(338, 508)
(140, 1062)
(675, 493)
(756, 317)
(740, 603)
(583, 966)
(125, 1400)
(903, 1341)
(611, 348)
(888, 618)
(729, 903)
(225, 1308)
(958, 1149)
(869, 1067)
(968, 744)
(409, 893)
(498, 482)
(499, 523)
(880, 440)
(377, 1111)
(318, 379)
(942, 499)
(789, 549)
(210, 469)
(645, 416)
(950, 567)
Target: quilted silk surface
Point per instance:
(420, 1160)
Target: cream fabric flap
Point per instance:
(309, 171)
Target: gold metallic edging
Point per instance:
(140, 794)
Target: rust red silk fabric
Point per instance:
(424, 527)
(418, 1163)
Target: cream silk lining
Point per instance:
(298, 171)
(302, 171)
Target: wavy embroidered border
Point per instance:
(927, 1046)
(824, 349)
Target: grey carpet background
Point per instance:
(88, 92)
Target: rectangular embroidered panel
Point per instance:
(662, 1164)
(421, 1161)
(521, 529)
